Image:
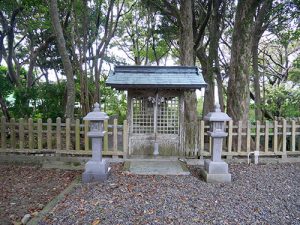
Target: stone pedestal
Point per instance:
(95, 171)
(216, 172)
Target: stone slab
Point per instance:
(152, 167)
(215, 167)
(215, 178)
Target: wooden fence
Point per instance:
(25, 136)
(271, 138)
(280, 138)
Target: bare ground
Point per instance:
(27, 189)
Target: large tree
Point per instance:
(238, 93)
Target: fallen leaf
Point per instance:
(96, 222)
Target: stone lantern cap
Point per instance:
(217, 115)
(96, 115)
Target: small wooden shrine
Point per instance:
(155, 104)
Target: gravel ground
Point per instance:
(27, 189)
(262, 194)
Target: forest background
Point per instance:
(56, 55)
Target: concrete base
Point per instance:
(95, 171)
(216, 178)
(216, 172)
(152, 167)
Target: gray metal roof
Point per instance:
(164, 77)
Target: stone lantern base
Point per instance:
(216, 172)
(95, 171)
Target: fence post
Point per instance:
(105, 139)
(12, 133)
(275, 137)
(68, 132)
(40, 134)
(49, 133)
(293, 135)
(284, 134)
(257, 138)
(86, 138)
(248, 141)
(77, 135)
(125, 139)
(240, 130)
(202, 124)
(3, 133)
(30, 134)
(230, 124)
(266, 136)
(115, 136)
(58, 133)
(21, 133)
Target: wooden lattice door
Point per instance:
(155, 115)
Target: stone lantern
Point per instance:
(215, 169)
(96, 169)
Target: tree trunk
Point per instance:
(256, 78)
(209, 97)
(238, 85)
(187, 59)
(219, 84)
(62, 49)
(4, 108)
(261, 24)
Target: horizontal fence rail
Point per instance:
(26, 136)
(278, 137)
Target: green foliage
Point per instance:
(113, 102)
(283, 101)
(294, 73)
(43, 101)
(200, 107)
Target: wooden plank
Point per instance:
(40, 134)
(125, 138)
(21, 133)
(105, 139)
(266, 136)
(30, 134)
(83, 152)
(275, 136)
(34, 151)
(293, 147)
(49, 133)
(77, 134)
(230, 124)
(284, 134)
(257, 137)
(240, 129)
(3, 133)
(12, 133)
(202, 124)
(58, 133)
(248, 141)
(115, 135)
(68, 134)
